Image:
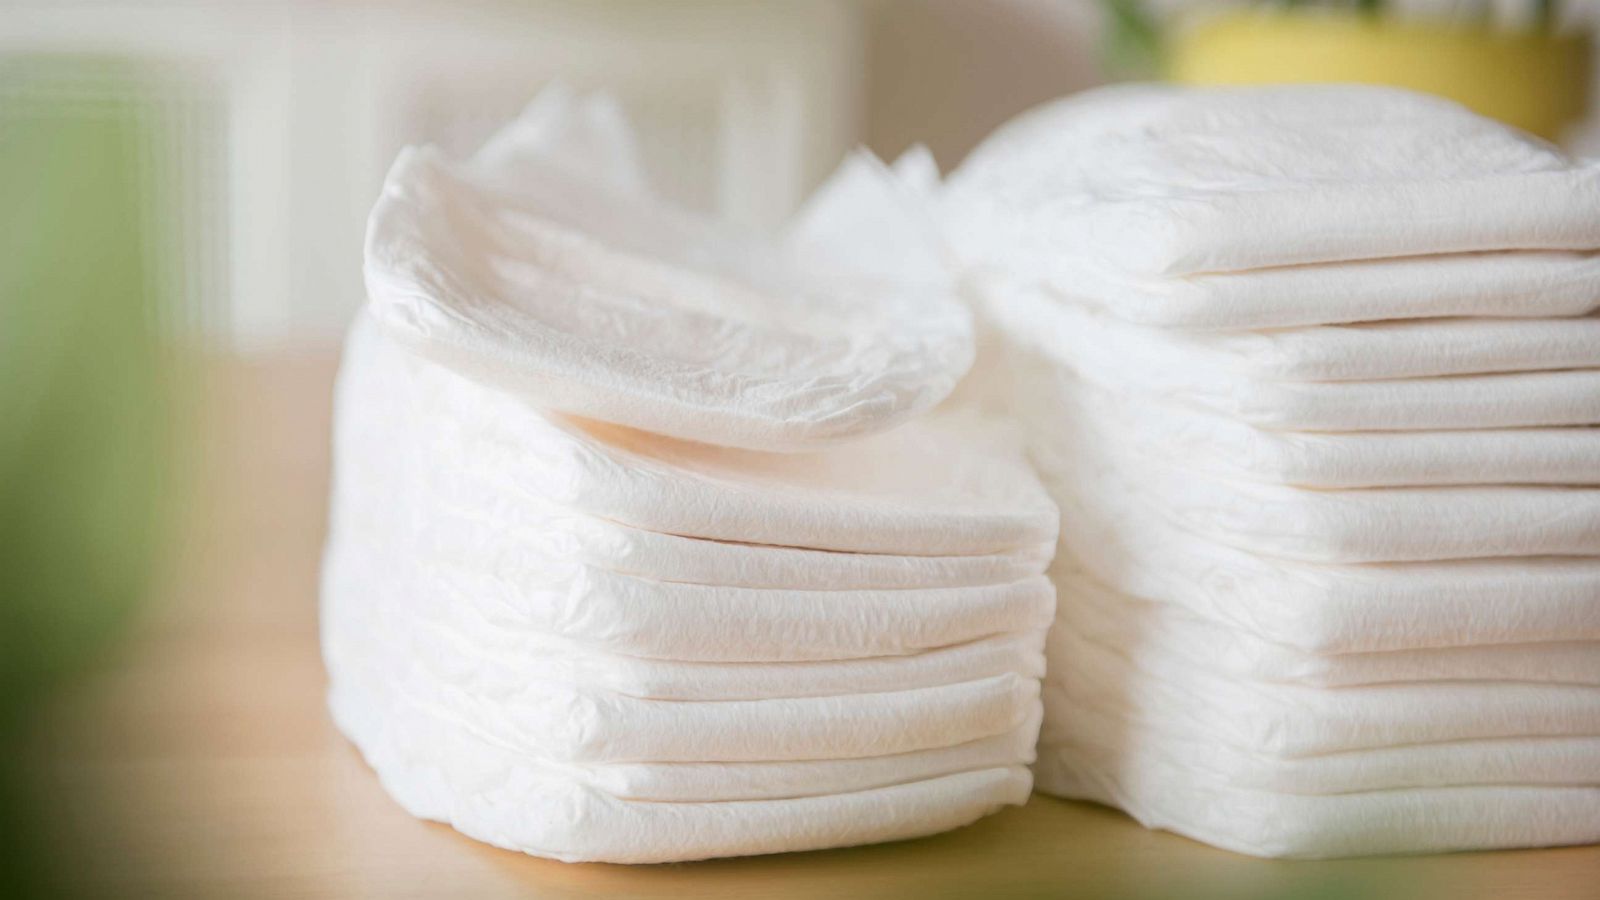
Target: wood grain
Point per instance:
(200, 762)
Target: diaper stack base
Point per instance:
(647, 542)
(1320, 422)
(556, 681)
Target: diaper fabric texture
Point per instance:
(575, 289)
(1311, 373)
(648, 543)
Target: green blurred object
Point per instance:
(1133, 38)
(85, 420)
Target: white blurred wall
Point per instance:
(280, 119)
(946, 72)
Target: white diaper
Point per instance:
(1045, 396)
(1176, 726)
(439, 771)
(462, 517)
(1112, 618)
(1155, 181)
(566, 724)
(581, 293)
(476, 526)
(1143, 362)
(1266, 823)
(1357, 352)
(1293, 721)
(1515, 285)
(947, 484)
(453, 630)
(1327, 526)
(1082, 728)
(634, 616)
(1338, 608)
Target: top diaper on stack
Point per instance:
(1312, 372)
(575, 603)
(545, 275)
(1206, 209)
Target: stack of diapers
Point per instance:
(1313, 374)
(648, 540)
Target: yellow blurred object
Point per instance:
(1536, 81)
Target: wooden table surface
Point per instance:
(199, 761)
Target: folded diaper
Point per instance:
(568, 724)
(581, 293)
(496, 796)
(476, 526)
(1049, 397)
(1277, 824)
(1144, 362)
(1151, 181)
(1111, 618)
(503, 667)
(605, 611)
(693, 782)
(441, 770)
(1513, 284)
(1368, 351)
(1295, 720)
(946, 484)
(1338, 608)
(1081, 727)
(1333, 526)
(1083, 733)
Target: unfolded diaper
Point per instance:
(1164, 182)
(581, 293)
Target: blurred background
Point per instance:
(183, 189)
(269, 126)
